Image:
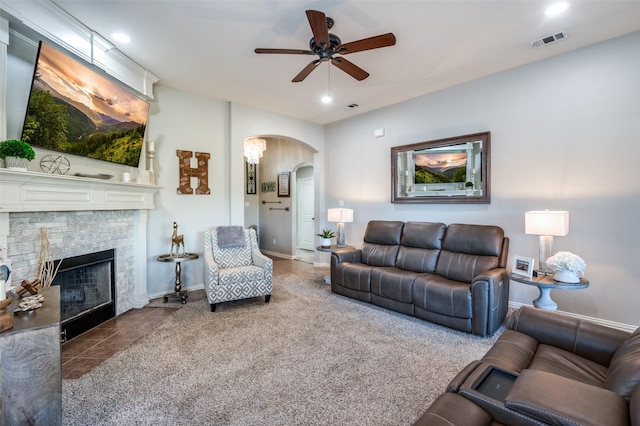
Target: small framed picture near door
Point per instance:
(283, 184)
(250, 177)
(523, 266)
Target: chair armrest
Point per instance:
(211, 268)
(558, 400)
(589, 340)
(261, 260)
(490, 295)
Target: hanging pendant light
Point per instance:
(326, 99)
(253, 149)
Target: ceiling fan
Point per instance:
(327, 45)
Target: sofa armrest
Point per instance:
(490, 295)
(558, 400)
(589, 340)
(346, 255)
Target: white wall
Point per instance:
(182, 121)
(565, 136)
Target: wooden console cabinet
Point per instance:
(30, 365)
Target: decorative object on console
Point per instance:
(283, 184)
(151, 151)
(546, 224)
(340, 215)
(193, 175)
(177, 241)
(16, 154)
(55, 164)
(6, 318)
(253, 149)
(326, 235)
(568, 267)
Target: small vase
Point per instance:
(326, 243)
(566, 276)
(16, 163)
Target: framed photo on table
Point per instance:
(523, 266)
(283, 184)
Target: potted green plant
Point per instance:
(16, 154)
(469, 187)
(326, 235)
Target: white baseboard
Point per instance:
(612, 324)
(280, 255)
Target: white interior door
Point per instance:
(304, 188)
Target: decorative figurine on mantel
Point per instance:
(177, 241)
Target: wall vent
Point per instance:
(549, 39)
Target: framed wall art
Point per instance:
(283, 184)
(250, 177)
(523, 266)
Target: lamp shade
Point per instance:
(340, 215)
(554, 223)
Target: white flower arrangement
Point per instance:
(567, 261)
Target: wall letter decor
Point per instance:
(200, 174)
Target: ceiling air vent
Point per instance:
(549, 39)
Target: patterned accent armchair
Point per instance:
(235, 273)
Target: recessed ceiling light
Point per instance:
(121, 37)
(556, 8)
(326, 99)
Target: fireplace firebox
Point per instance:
(87, 291)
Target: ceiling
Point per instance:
(207, 47)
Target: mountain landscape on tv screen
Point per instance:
(74, 110)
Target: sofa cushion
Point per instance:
(355, 276)
(381, 242)
(469, 250)
(453, 409)
(393, 283)
(566, 364)
(420, 246)
(634, 406)
(624, 370)
(443, 296)
(557, 400)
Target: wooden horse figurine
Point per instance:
(177, 240)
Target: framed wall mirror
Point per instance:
(451, 170)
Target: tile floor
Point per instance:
(85, 352)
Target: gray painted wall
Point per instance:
(565, 136)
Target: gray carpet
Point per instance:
(309, 357)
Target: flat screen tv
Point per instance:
(74, 110)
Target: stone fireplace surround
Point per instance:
(81, 215)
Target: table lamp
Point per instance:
(340, 216)
(546, 224)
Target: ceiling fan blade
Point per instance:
(318, 23)
(350, 68)
(376, 42)
(290, 51)
(306, 71)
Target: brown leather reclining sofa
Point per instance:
(450, 275)
(547, 369)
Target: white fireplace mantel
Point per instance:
(35, 192)
(42, 192)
